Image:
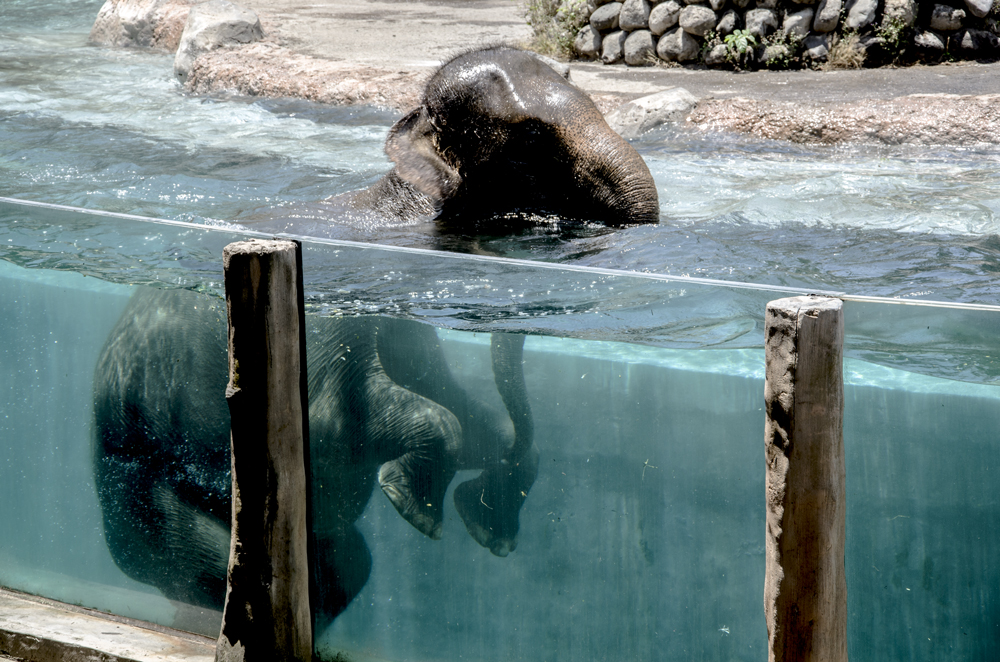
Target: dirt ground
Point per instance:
(381, 51)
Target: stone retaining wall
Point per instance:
(789, 33)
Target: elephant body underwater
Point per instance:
(383, 407)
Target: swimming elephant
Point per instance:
(383, 406)
(499, 132)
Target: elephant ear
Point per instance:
(412, 146)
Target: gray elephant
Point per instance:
(499, 137)
(383, 406)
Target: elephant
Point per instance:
(384, 407)
(499, 137)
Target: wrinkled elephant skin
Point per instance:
(383, 406)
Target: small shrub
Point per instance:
(895, 36)
(555, 24)
(740, 46)
(793, 50)
(846, 52)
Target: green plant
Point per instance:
(740, 46)
(894, 35)
(846, 52)
(739, 41)
(555, 24)
(784, 50)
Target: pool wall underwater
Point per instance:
(643, 535)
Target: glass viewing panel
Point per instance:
(626, 523)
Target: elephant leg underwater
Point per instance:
(490, 503)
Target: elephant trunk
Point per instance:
(491, 503)
(507, 351)
(615, 175)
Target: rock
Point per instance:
(716, 5)
(154, 24)
(805, 2)
(213, 24)
(634, 15)
(613, 47)
(767, 4)
(817, 47)
(978, 42)
(902, 11)
(698, 20)
(727, 24)
(640, 49)
(718, 56)
(775, 56)
(678, 46)
(560, 68)
(640, 115)
(827, 16)
(860, 13)
(588, 43)
(605, 17)
(761, 22)
(979, 8)
(664, 16)
(798, 24)
(873, 47)
(930, 42)
(741, 4)
(946, 18)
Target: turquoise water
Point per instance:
(643, 533)
(111, 129)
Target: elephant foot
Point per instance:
(418, 499)
(490, 504)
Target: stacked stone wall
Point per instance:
(789, 33)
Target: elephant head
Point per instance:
(500, 133)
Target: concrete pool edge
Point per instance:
(39, 630)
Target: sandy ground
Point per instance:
(381, 51)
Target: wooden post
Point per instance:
(805, 587)
(267, 615)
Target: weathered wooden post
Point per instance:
(805, 587)
(267, 615)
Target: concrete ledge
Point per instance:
(39, 630)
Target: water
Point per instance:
(642, 537)
(111, 129)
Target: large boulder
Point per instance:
(816, 47)
(860, 13)
(664, 16)
(640, 115)
(979, 8)
(798, 23)
(640, 48)
(827, 16)
(761, 22)
(211, 25)
(717, 56)
(930, 43)
(727, 24)
(634, 15)
(605, 17)
(678, 46)
(156, 24)
(978, 43)
(945, 18)
(698, 20)
(588, 43)
(613, 47)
